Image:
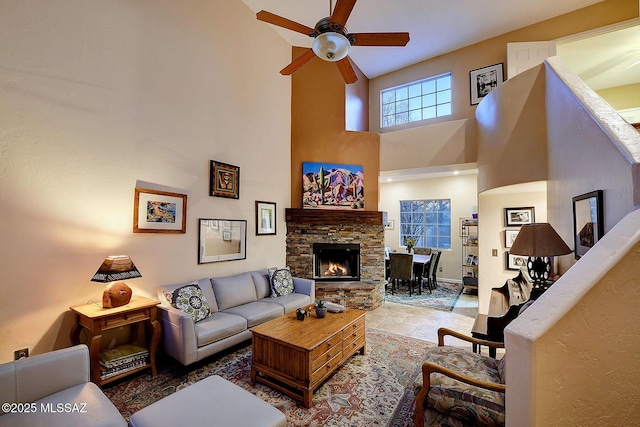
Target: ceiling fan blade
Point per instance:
(298, 62)
(342, 11)
(379, 39)
(348, 74)
(274, 19)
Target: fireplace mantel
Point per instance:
(332, 216)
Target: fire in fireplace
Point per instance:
(336, 261)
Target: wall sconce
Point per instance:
(114, 268)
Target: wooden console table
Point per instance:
(296, 356)
(95, 319)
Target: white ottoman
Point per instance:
(213, 401)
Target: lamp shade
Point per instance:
(331, 46)
(117, 267)
(539, 240)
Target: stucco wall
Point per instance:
(441, 144)
(97, 96)
(573, 355)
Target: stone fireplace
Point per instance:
(345, 229)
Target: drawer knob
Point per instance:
(328, 344)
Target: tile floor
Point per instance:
(423, 323)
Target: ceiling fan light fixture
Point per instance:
(331, 46)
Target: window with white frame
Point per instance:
(428, 222)
(420, 100)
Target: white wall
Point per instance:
(96, 97)
(491, 215)
(462, 192)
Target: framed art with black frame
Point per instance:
(515, 262)
(484, 80)
(515, 217)
(221, 240)
(224, 180)
(588, 225)
(265, 218)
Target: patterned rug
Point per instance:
(370, 390)
(443, 297)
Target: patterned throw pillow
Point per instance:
(280, 281)
(190, 300)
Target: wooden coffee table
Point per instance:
(295, 356)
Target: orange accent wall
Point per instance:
(318, 126)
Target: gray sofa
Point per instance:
(237, 303)
(53, 389)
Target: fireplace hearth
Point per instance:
(336, 261)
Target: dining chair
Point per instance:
(401, 270)
(429, 275)
(422, 251)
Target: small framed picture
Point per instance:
(265, 218)
(514, 262)
(519, 216)
(159, 212)
(510, 237)
(224, 180)
(484, 80)
(389, 225)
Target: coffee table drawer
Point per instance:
(334, 341)
(350, 348)
(351, 336)
(324, 358)
(326, 368)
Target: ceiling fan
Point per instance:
(331, 39)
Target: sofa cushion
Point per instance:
(189, 299)
(261, 281)
(290, 302)
(218, 326)
(281, 281)
(234, 290)
(474, 405)
(205, 287)
(257, 312)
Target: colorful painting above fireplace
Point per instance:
(332, 186)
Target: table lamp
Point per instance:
(539, 241)
(114, 268)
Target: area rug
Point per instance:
(443, 297)
(370, 390)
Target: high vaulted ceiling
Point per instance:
(435, 27)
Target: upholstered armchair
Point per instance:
(460, 387)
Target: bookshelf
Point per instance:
(470, 260)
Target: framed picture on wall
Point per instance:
(510, 237)
(265, 218)
(159, 212)
(224, 180)
(515, 217)
(221, 240)
(484, 80)
(514, 262)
